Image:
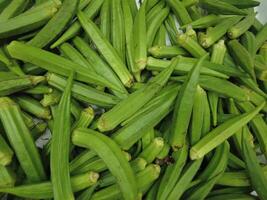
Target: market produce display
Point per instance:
(118, 99)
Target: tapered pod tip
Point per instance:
(6, 101)
(93, 177)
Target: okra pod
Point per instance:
(7, 177)
(14, 8)
(6, 153)
(21, 141)
(39, 89)
(152, 150)
(204, 22)
(184, 105)
(221, 133)
(17, 84)
(166, 51)
(248, 40)
(106, 49)
(110, 153)
(105, 19)
(53, 63)
(261, 37)
(242, 4)
(44, 190)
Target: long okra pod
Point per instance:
(21, 141)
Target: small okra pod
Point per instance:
(172, 173)
(155, 24)
(197, 116)
(33, 106)
(13, 9)
(54, 63)
(257, 177)
(243, 4)
(25, 23)
(204, 22)
(166, 51)
(221, 7)
(56, 25)
(152, 150)
(17, 84)
(85, 118)
(242, 26)
(7, 177)
(248, 40)
(60, 146)
(122, 111)
(6, 154)
(184, 181)
(44, 190)
(242, 57)
(184, 105)
(261, 37)
(90, 11)
(153, 12)
(160, 38)
(70, 52)
(39, 89)
(140, 39)
(221, 133)
(191, 46)
(106, 49)
(218, 52)
(180, 11)
(112, 155)
(21, 141)
(263, 51)
(213, 35)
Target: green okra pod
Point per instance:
(221, 7)
(90, 11)
(56, 25)
(261, 37)
(33, 106)
(6, 153)
(248, 40)
(110, 152)
(184, 105)
(153, 12)
(17, 84)
(105, 19)
(152, 150)
(243, 4)
(83, 92)
(232, 196)
(191, 46)
(221, 133)
(166, 51)
(122, 111)
(148, 138)
(53, 63)
(60, 146)
(39, 89)
(106, 49)
(180, 11)
(85, 118)
(14, 8)
(236, 162)
(242, 26)
(7, 177)
(38, 130)
(21, 141)
(204, 22)
(44, 190)
(242, 57)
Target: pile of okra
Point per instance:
(126, 100)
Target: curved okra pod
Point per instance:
(172, 173)
(122, 111)
(56, 25)
(241, 27)
(256, 174)
(44, 190)
(21, 141)
(243, 4)
(27, 22)
(90, 11)
(33, 106)
(112, 155)
(242, 57)
(6, 154)
(83, 92)
(184, 105)
(221, 133)
(60, 146)
(221, 7)
(54, 63)
(16, 84)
